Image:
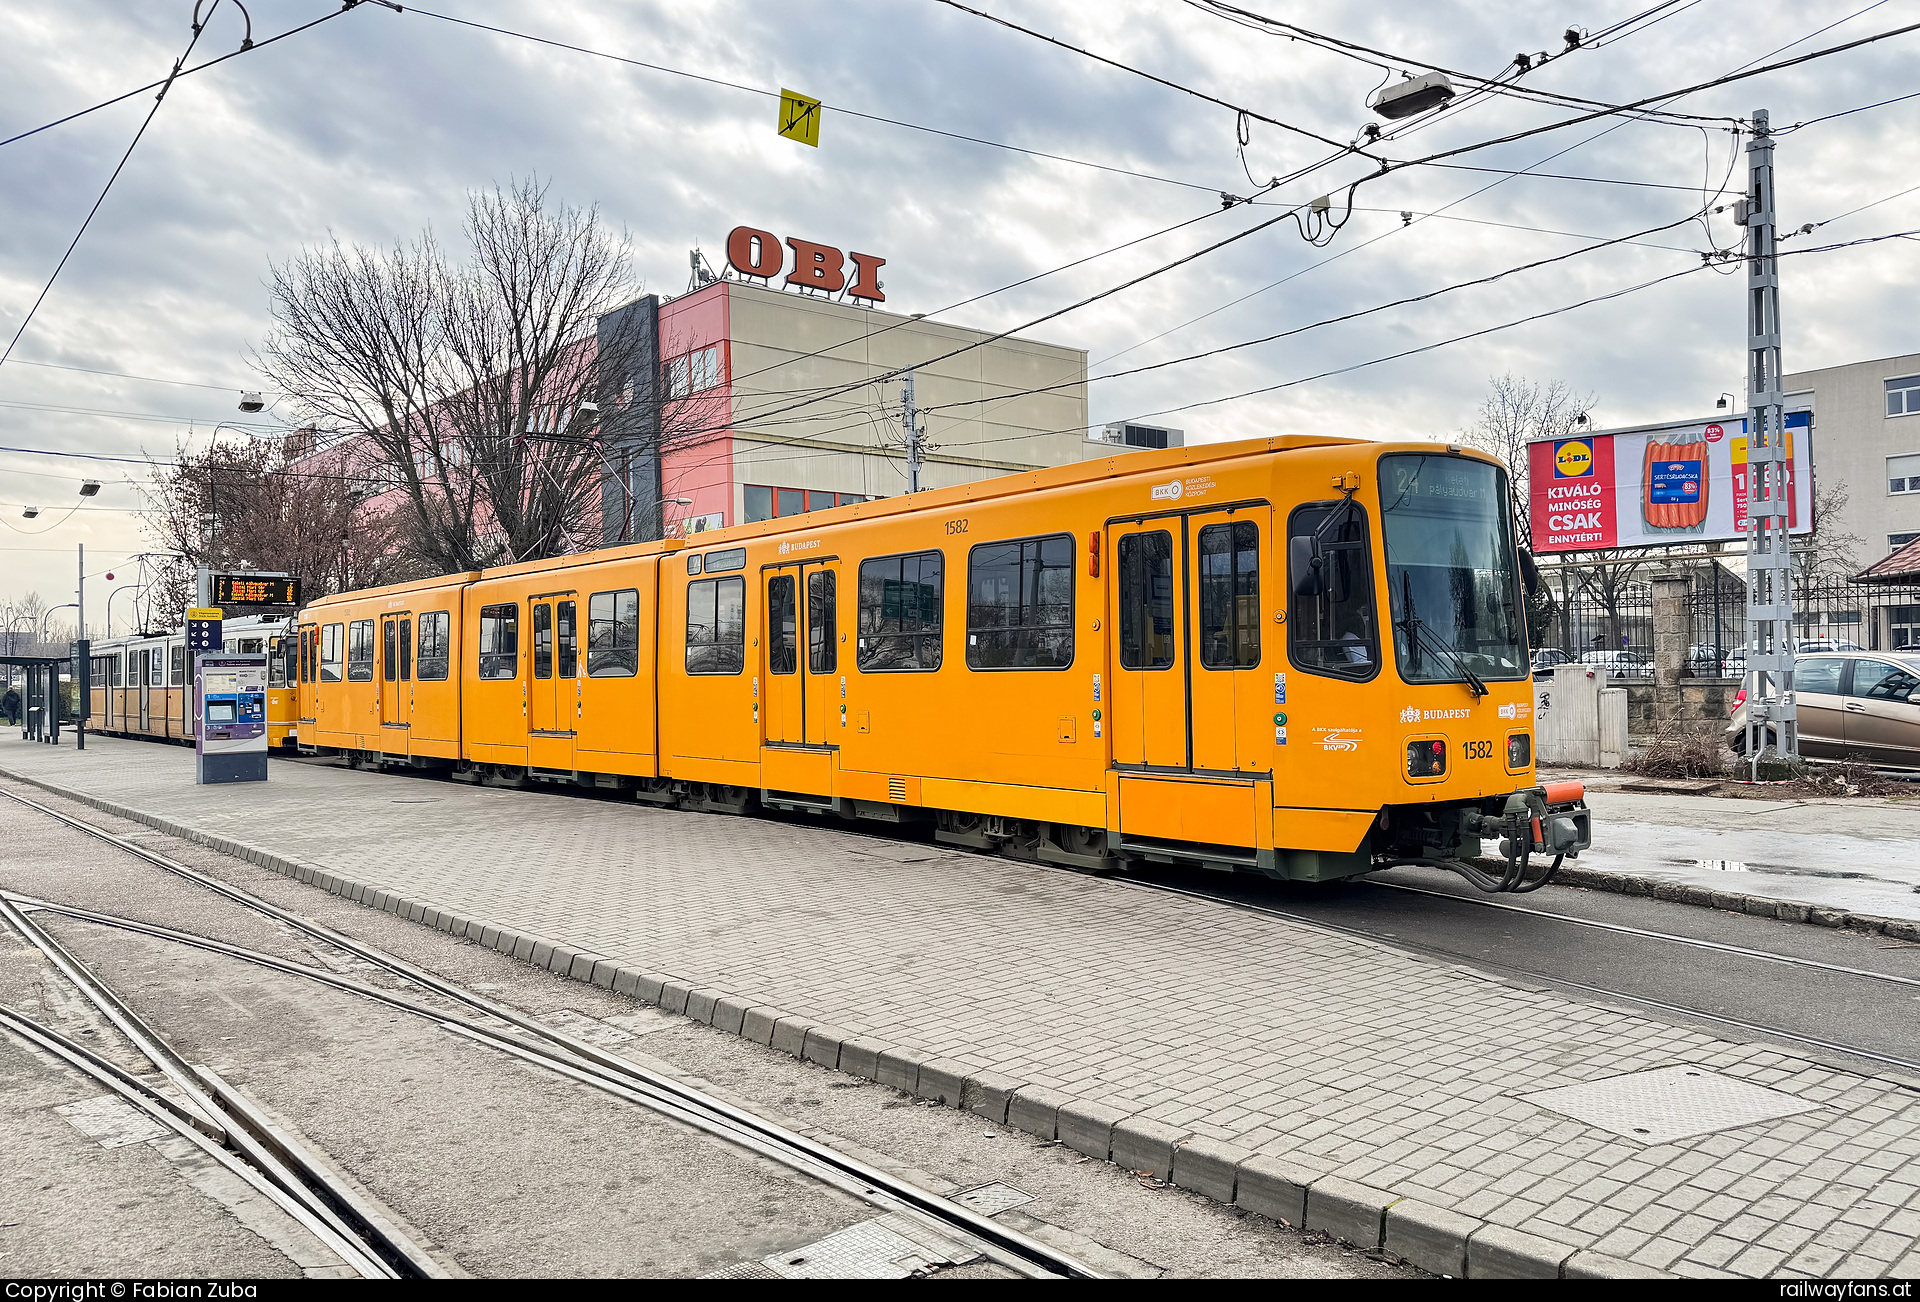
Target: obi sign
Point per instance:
(753, 252)
(1654, 486)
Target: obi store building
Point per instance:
(774, 405)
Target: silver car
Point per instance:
(1863, 704)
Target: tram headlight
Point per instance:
(1426, 758)
(1519, 750)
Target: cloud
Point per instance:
(374, 125)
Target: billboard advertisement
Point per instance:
(1656, 486)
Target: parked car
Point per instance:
(1704, 660)
(1851, 705)
(1809, 645)
(1547, 657)
(1620, 664)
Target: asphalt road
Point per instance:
(1450, 921)
(501, 1168)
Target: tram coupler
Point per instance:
(1551, 819)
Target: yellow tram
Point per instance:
(1300, 656)
(142, 685)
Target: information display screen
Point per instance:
(255, 590)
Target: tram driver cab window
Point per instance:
(1331, 624)
(332, 644)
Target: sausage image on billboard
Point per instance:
(1673, 485)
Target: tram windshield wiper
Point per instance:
(1419, 639)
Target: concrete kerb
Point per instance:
(1762, 906)
(1275, 1187)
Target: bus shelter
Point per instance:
(42, 706)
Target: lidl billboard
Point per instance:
(1656, 486)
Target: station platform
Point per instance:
(1317, 1077)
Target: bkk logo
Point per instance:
(1167, 492)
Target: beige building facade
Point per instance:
(1866, 435)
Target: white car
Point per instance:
(1620, 664)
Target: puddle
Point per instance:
(1770, 869)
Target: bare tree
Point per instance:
(240, 505)
(1829, 551)
(486, 390)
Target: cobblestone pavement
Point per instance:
(1381, 1077)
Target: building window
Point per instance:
(500, 641)
(1903, 474)
(768, 503)
(435, 656)
(1903, 627)
(331, 638)
(613, 634)
(1895, 541)
(1020, 604)
(694, 372)
(360, 651)
(716, 626)
(900, 612)
(1903, 396)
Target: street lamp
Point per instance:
(125, 587)
(45, 616)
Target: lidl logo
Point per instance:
(1572, 459)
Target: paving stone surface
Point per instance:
(1348, 1058)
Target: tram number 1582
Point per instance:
(956, 526)
(1479, 750)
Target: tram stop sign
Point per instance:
(203, 629)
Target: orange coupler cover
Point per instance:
(1673, 485)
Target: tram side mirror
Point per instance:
(1303, 566)
(1529, 572)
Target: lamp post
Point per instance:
(135, 587)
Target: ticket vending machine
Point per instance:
(230, 694)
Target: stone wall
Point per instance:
(1701, 700)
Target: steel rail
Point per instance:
(137, 1093)
(314, 1188)
(634, 1090)
(1395, 942)
(1694, 941)
(1005, 1244)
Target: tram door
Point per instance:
(147, 656)
(801, 686)
(553, 697)
(1149, 706)
(396, 680)
(1232, 708)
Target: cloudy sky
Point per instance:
(373, 125)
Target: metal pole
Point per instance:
(910, 416)
(1770, 645)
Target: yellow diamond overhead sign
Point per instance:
(800, 118)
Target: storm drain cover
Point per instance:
(889, 1247)
(111, 1122)
(992, 1199)
(1656, 1107)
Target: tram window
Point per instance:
(406, 650)
(1146, 600)
(389, 651)
(823, 651)
(783, 633)
(332, 636)
(1230, 595)
(900, 613)
(613, 633)
(116, 669)
(179, 667)
(1330, 625)
(716, 626)
(566, 640)
(543, 641)
(500, 641)
(360, 651)
(1453, 587)
(276, 667)
(734, 558)
(435, 657)
(1020, 604)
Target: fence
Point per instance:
(1604, 616)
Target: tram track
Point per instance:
(526, 1038)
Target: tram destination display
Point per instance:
(256, 590)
